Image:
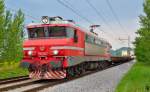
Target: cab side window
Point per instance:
(75, 36)
(90, 39)
(70, 32)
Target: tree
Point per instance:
(2, 29)
(142, 43)
(10, 34)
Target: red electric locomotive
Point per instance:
(59, 48)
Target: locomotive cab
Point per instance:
(48, 42)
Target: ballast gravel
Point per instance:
(103, 81)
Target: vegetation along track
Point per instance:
(45, 83)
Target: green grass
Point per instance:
(11, 70)
(136, 80)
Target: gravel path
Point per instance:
(103, 81)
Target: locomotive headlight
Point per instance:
(30, 53)
(55, 52)
(45, 19)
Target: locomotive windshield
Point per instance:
(51, 32)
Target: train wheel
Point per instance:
(83, 67)
(104, 64)
(100, 67)
(87, 66)
(70, 72)
(77, 70)
(93, 66)
(107, 63)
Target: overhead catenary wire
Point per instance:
(116, 17)
(99, 14)
(74, 11)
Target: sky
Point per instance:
(127, 12)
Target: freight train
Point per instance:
(58, 48)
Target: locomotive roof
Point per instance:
(65, 23)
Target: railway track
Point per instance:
(25, 85)
(14, 79)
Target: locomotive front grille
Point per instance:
(43, 57)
